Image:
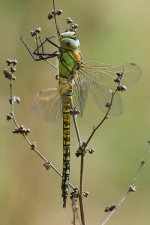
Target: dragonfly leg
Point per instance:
(38, 40)
(51, 42)
(36, 54)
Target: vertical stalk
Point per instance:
(81, 190)
(81, 169)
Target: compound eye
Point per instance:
(67, 43)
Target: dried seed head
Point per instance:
(108, 105)
(86, 194)
(14, 99)
(14, 62)
(9, 116)
(58, 12)
(38, 30)
(33, 33)
(75, 193)
(11, 61)
(33, 146)
(53, 13)
(74, 111)
(8, 61)
(21, 130)
(47, 165)
(110, 208)
(121, 88)
(50, 15)
(117, 79)
(143, 162)
(7, 74)
(69, 20)
(119, 74)
(91, 150)
(132, 188)
(74, 26)
(12, 69)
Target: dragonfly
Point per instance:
(75, 80)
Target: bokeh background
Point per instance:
(109, 31)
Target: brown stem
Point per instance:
(81, 190)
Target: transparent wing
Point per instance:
(79, 93)
(103, 95)
(99, 79)
(104, 73)
(48, 104)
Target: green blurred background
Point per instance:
(110, 31)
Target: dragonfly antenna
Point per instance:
(56, 24)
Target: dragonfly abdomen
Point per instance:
(66, 145)
(69, 63)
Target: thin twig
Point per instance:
(102, 121)
(132, 187)
(57, 28)
(75, 210)
(74, 113)
(81, 190)
(23, 131)
(81, 165)
(82, 150)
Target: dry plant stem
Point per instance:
(46, 162)
(57, 28)
(74, 217)
(81, 170)
(77, 130)
(74, 116)
(81, 190)
(82, 159)
(75, 212)
(132, 186)
(82, 154)
(102, 121)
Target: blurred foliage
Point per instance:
(109, 31)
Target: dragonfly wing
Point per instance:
(79, 93)
(102, 95)
(131, 73)
(99, 78)
(106, 73)
(48, 104)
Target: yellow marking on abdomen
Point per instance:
(66, 146)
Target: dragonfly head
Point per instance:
(68, 40)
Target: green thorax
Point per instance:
(70, 56)
(68, 64)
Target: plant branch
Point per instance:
(103, 119)
(81, 190)
(20, 129)
(132, 187)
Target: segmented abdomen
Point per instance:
(68, 64)
(66, 145)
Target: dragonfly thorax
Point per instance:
(68, 40)
(70, 56)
